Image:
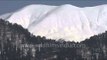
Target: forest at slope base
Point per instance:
(16, 43)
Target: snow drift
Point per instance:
(61, 22)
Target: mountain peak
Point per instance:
(69, 5)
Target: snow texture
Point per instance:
(61, 22)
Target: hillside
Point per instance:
(66, 21)
(16, 43)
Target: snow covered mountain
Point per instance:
(66, 21)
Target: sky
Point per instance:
(7, 6)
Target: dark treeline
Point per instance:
(16, 43)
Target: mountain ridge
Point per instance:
(54, 21)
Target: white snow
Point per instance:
(61, 22)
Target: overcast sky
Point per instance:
(7, 6)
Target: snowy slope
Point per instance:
(66, 21)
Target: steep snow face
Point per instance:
(61, 22)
